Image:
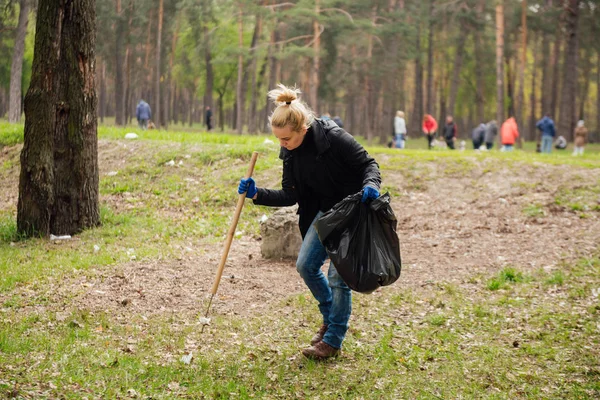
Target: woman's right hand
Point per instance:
(248, 186)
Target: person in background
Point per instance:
(326, 117)
(561, 143)
(478, 135)
(429, 128)
(450, 132)
(399, 130)
(546, 126)
(491, 130)
(322, 164)
(208, 118)
(143, 114)
(581, 134)
(338, 121)
(509, 132)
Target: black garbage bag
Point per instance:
(361, 241)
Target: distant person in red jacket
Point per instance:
(509, 134)
(429, 128)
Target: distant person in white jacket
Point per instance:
(399, 130)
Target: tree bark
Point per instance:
(16, 70)
(208, 94)
(239, 92)
(499, 63)
(119, 76)
(555, 73)
(58, 187)
(102, 100)
(532, 99)
(157, 98)
(429, 107)
(417, 114)
(458, 60)
(522, 65)
(546, 68)
(479, 65)
(314, 70)
(587, 77)
(566, 123)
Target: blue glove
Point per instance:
(369, 192)
(247, 186)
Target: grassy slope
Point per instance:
(506, 336)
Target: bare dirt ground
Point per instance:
(457, 226)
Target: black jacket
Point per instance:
(339, 165)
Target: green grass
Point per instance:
(534, 210)
(531, 348)
(505, 278)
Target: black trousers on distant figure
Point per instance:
(489, 145)
(429, 139)
(450, 143)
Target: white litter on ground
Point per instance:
(131, 135)
(61, 237)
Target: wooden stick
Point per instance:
(230, 234)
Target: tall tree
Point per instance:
(566, 123)
(58, 187)
(499, 62)
(239, 88)
(522, 65)
(479, 62)
(120, 28)
(16, 70)
(429, 106)
(157, 94)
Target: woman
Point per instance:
(429, 128)
(581, 134)
(322, 164)
(399, 129)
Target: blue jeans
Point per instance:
(399, 139)
(332, 293)
(547, 143)
(508, 147)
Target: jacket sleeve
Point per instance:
(286, 196)
(455, 130)
(137, 112)
(356, 157)
(435, 126)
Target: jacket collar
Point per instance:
(318, 127)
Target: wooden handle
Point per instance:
(231, 233)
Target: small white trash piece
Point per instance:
(204, 321)
(170, 163)
(61, 237)
(186, 359)
(131, 135)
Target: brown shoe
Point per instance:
(320, 351)
(319, 335)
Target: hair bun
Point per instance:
(284, 95)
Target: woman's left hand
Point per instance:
(369, 192)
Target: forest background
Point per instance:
(362, 60)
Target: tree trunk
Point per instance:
(16, 70)
(479, 65)
(522, 65)
(532, 99)
(417, 114)
(239, 92)
(208, 94)
(500, 63)
(58, 187)
(458, 60)
(598, 92)
(102, 90)
(546, 69)
(429, 107)
(314, 70)
(555, 73)
(566, 123)
(157, 98)
(119, 78)
(587, 76)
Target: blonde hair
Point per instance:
(400, 114)
(289, 110)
